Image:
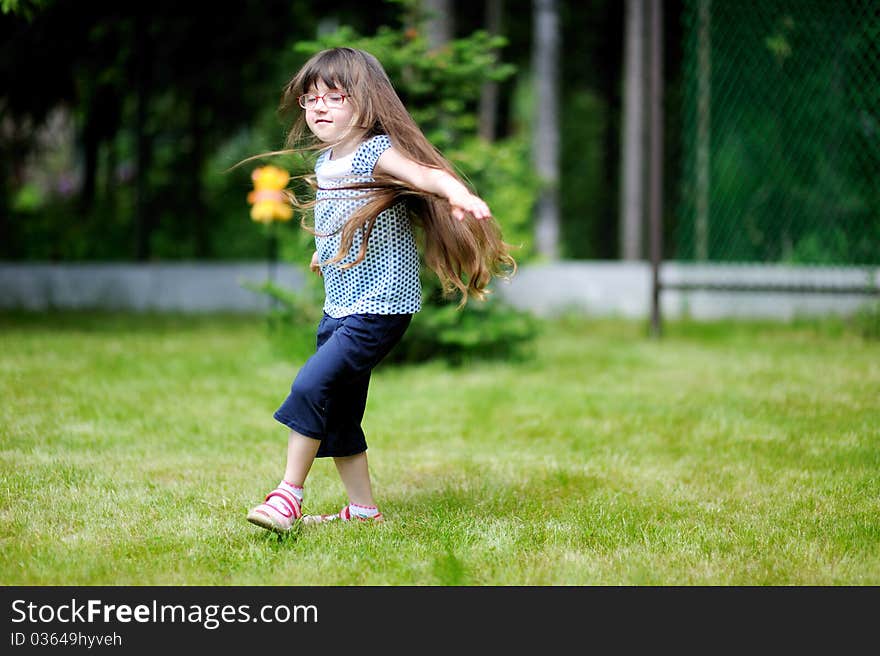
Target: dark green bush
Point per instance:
(483, 331)
(867, 320)
(441, 331)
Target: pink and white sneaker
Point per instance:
(344, 515)
(279, 519)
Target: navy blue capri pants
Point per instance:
(329, 394)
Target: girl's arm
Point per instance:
(434, 181)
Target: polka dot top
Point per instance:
(387, 280)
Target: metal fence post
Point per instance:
(655, 190)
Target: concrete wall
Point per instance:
(596, 288)
(624, 289)
(185, 287)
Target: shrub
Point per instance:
(867, 320)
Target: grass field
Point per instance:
(725, 454)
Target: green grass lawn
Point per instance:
(724, 454)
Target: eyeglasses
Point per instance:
(332, 100)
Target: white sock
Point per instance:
(362, 511)
(280, 504)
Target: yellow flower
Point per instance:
(268, 199)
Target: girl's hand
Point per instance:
(464, 203)
(313, 265)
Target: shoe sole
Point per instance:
(264, 521)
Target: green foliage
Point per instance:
(127, 162)
(867, 320)
(501, 174)
(234, 234)
(293, 316)
(484, 331)
(441, 87)
(28, 199)
(25, 8)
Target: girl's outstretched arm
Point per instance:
(434, 181)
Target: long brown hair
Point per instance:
(465, 255)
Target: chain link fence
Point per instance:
(781, 134)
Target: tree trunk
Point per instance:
(655, 186)
(143, 211)
(440, 23)
(91, 141)
(7, 249)
(197, 156)
(632, 182)
(545, 145)
(109, 193)
(489, 93)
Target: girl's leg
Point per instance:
(301, 452)
(283, 506)
(328, 398)
(355, 474)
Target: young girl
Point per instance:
(376, 176)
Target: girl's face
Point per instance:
(330, 124)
